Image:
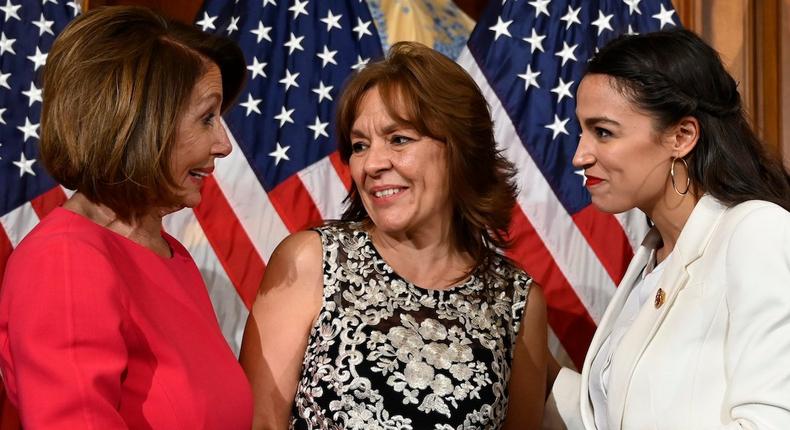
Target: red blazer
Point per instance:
(98, 332)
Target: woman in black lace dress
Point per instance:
(404, 315)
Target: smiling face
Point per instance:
(626, 160)
(200, 137)
(401, 175)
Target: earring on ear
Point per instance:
(672, 176)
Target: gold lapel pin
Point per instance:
(661, 296)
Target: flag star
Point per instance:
(535, 41)
(4, 80)
(262, 32)
(289, 80)
(631, 31)
(332, 21)
(251, 104)
(361, 63)
(33, 94)
(76, 6)
(294, 43)
(2, 112)
(633, 5)
(327, 57)
(500, 28)
(257, 68)
(558, 126)
(571, 17)
(530, 78)
(362, 28)
(323, 91)
(25, 165)
(279, 154)
(6, 44)
(10, 10)
(563, 90)
(540, 7)
(271, 2)
(207, 23)
(299, 8)
(285, 116)
(30, 130)
(39, 59)
(47, 1)
(603, 22)
(319, 128)
(234, 24)
(580, 172)
(665, 16)
(567, 52)
(43, 25)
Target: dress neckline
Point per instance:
(469, 282)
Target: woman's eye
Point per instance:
(400, 140)
(357, 147)
(602, 132)
(209, 119)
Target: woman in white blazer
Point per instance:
(697, 335)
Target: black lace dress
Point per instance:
(386, 354)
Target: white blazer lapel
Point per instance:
(610, 315)
(690, 245)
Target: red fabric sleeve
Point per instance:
(65, 336)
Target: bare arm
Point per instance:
(278, 327)
(528, 375)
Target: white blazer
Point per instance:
(716, 353)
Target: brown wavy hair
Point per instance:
(117, 80)
(439, 99)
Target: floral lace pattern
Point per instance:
(386, 354)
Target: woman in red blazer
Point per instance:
(105, 322)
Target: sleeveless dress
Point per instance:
(386, 354)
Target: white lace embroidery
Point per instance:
(385, 354)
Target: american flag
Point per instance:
(284, 173)
(27, 193)
(528, 58)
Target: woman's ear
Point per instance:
(684, 136)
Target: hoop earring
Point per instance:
(672, 176)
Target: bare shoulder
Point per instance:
(296, 262)
(536, 301)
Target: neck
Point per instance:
(670, 214)
(430, 260)
(145, 231)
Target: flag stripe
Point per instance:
(295, 205)
(230, 310)
(19, 222)
(607, 239)
(230, 242)
(342, 169)
(325, 187)
(566, 314)
(48, 201)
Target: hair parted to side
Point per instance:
(436, 97)
(674, 74)
(116, 81)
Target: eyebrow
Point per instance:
(598, 120)
(389, 128)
